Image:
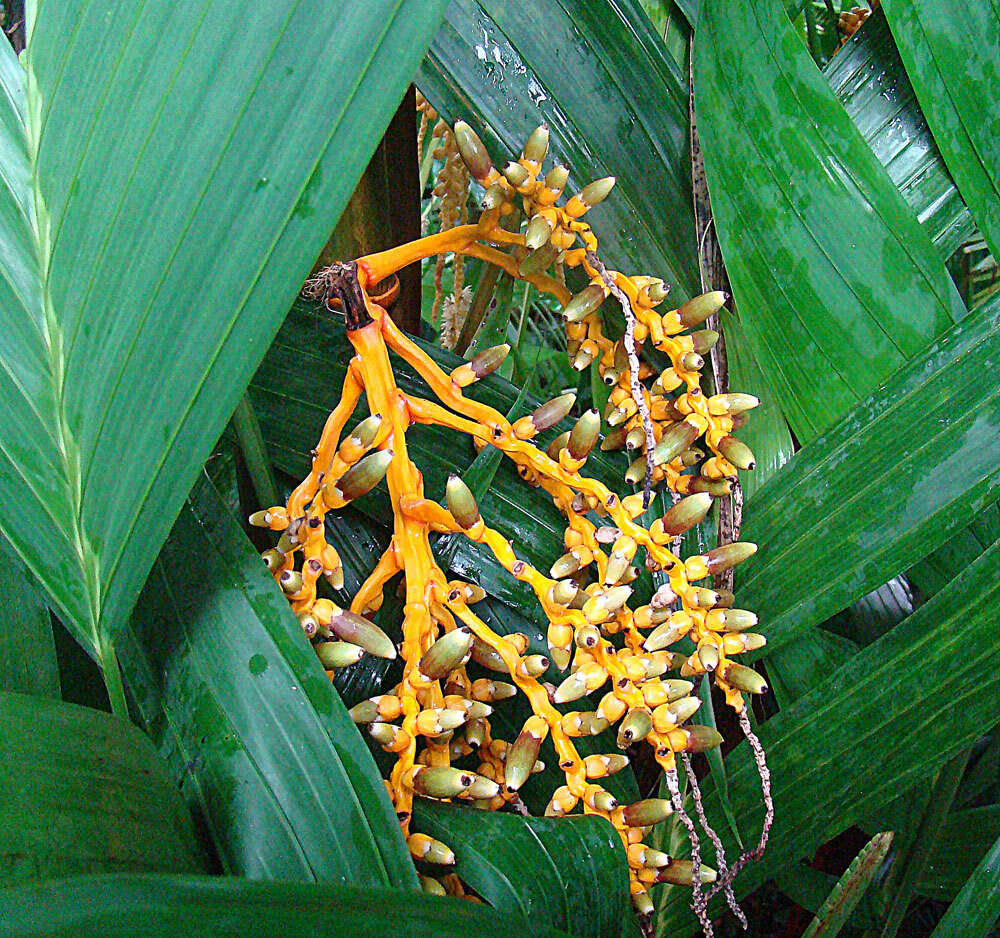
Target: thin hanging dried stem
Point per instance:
(699, 901)
(725, 874)
(633, 368)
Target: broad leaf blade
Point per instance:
(836, 282)
(178, 169)
(884, 487)
(567, 872)
(28, 662)
(952, 53)
(85, 792)
(237, 702)
(975, 911)
(868, 77)
(167, 906)
(614, 102)
(826, 753)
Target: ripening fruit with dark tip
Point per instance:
(720, 559)
(533, 666)
(488, 360)
(635, 725)
(708, 655)
(361, 478)
(642, 904)
(449, 652)
(461, 502)
(688, 512)
(494, 197)
(350, 627)
(717, 487)
(587, 301)
(472, 151)
(696, 310)
(537, 144)
(441, 781)
(681, 873)
(583, 436)
(338, 654)
(743, 678)
(488, 657)
(290, 581)
(273, 559)
(599, 766)
(692, 361)
(515, 174)
(704, 340)
(737, 452)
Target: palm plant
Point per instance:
(172, 172)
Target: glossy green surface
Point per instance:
(966, 838)
(292, 407)
(868, 77)
(85, 792)
(827, 752)
(168, 906)
(836, 281)
(976, 908)
(238, 704)
(951, 50)
(766, 433)
(28, 662)
(891, 482)
(569, 873)
(171, 172)
(615, 104)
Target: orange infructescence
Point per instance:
(438, 714)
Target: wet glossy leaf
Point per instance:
(167, 906)
(159, 211)
(614, 102)
(568, 872)
(892, 481)
(836, 282)
(868, 77)
(976, 908)
(826, 753)
(952, 54)
(238, 704)
(85, 792)
(28, 662)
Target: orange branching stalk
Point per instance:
(438, 715)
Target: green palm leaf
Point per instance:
(171, 171)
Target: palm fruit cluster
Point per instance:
(618, 660)
(686, 424)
